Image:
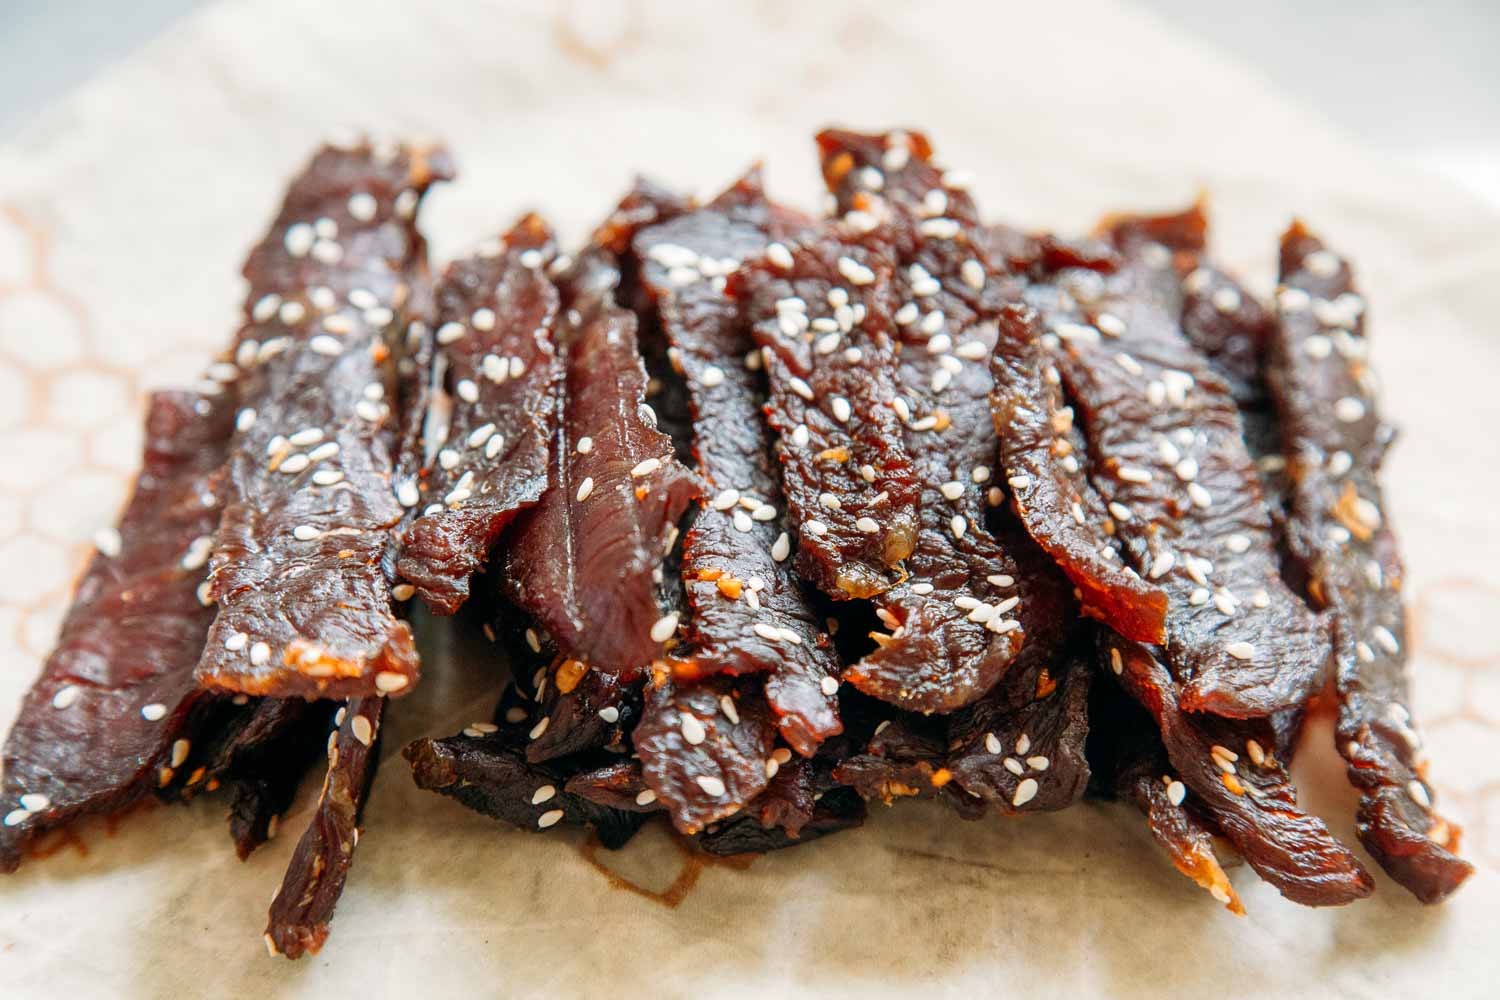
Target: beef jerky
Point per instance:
(618, 785)
(953, 630)
(704, 747)
(315, 876)
(1166, 453)
(1130, 764)
(1040, 448)
(116, 708)
(850, 486)
(584, 561)
(1030, 758)
(836, 810)
(488, 773)
(748, 612)
(495, 318)
(1242, 787)
(579, 708)
(906, 757)
(1340, 531)
(266, 759)
(303, 598)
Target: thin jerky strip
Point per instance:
(748, 612)
(1340, 531)
(954, 631)
(315, 876)
(704, 748)
(488, 773)
(801, 804)
(304, 602)
(583, 561)
(1243, 787)
(1167, 455)
(849, 482)
(495, 318)
(1051, 492)
(113, 711)
(906, 757)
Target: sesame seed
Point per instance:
(664, 628)
(841, 409)
(1025, 792)
(1038, 763)
(781, 548)
(451, 332)
(1163, 563)
(35, 802)
(17, 816)
(958, 525)
(645, 468)
(815, 527)
(549, 818)
(299, 239)
(236, 642)
(779, 255)
(153, 712)
(1133, 474)
(1119, 511)
(800, 436)
(830, 686)
(855, 272)
(1256, 751)
(1116, 662)
(1225, 300)
(66, 696)
(1350, 409)
(610, 714)
(387, 681)
(800, 387)
(1199, 496)
(1386, 639)
(907, 314)
(973, 274)
(1176, 792)
(306, 533)
(480, 435)
(931, 324)
(1012, 765)
(1240, 650)
(692, 729)
(1019, 482)
(1110, 325)
(710, 785)
(541, 727)
(1322, 263)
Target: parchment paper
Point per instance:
(125, 211)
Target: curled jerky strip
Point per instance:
(954, 631)
(1166, 452)
(116, 710)
(1242, 787)
(1335, 441)
(585, 560)
(494, 339)
(315, 876)
(1039, 447)
(748, 612)
(305, 607)
(850, 486)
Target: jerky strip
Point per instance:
(1051, 491)
(1242, 787)
(749, 614)
(488, 773)
(315, 876)
(304, 603)
(906, 758)
(113, 711)
(704, 748)
(495, 318)
(954, 630)
(583, 560)
(801, 804)
(1335, 441)
(850, 485)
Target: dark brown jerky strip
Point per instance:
(584, 561)
(1031, 758)
(1242, 787)
(266, 759)
(1339, 529)
(1052, 494)
(802, 803)
(748, 613)
(1167, 454)
(850, 486)
(582, 709)
(315, 876)
(113, 712)
(618, 785)
(954, 630)
(495, 317)
(704, 747)
(304, 600)
(906, 757)
(488, 772)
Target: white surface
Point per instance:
(150, 182)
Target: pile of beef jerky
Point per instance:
(772, 516)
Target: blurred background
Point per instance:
(1418, 82)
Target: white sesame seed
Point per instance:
(815, 527)
(855, 272)
(830, 686)
(197, 553)
(325, 345)
(779, 255)
(237, 642)
(692, 729)
(781, 548)
(66, 696)
(931, 324)
(36, 802)
(1350, 409)
(1161, 565)
(973, 274)
(1119, 511)
(306, 533)
(710, 785)
(645, 797)
(664, 628)
(480, 435)
(1019, 482)
(541, 727)
(403, 591)
(1240, 650)
(942, 229)
(16, 817)
(1386, 639)
(841, 409)
(1199, 496)
(260, 654)
(153, 712)
(451, 332)
(645, 468)
(610, 714)
(299, 239)
(1176, 792)
(1133, 474)
(549, 818)
(1025, 792)
(1322, 263)
(1116, 662)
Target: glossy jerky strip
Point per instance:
(1167, 454)
(488, 773)
(315, 876)
(850, 486)
(906, 757)
(954, 631)
(704, 748)
(583, 561)
(748, 612)
(116, 701)
(304, 601)
(494, 327)
(1244, 789)
(801, 804)
(1339, 529)
(1040, 449)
